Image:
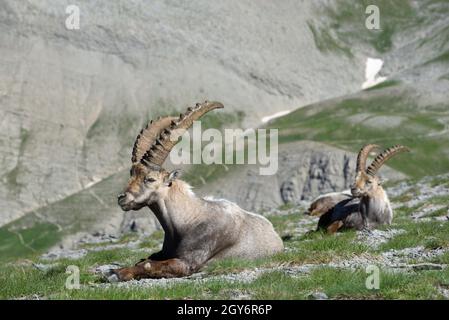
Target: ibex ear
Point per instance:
(172, 176)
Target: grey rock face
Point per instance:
(318, 296)
(65, 254)
(326, 171)
(305, 170)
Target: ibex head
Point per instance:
(366, 180)
(149, 181)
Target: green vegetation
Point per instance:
(269, 280)
(338, 284)
(12, 177)
(29, 242)
(200, 174)
(75, 213)
(442, 58)
(384, 84)
(370, 117)
(326, 42)
(346, 19)
(431, 235)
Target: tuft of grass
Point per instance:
(326, 42)
(431, 235)
(384, 84)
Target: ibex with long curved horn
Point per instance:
(375, 206)
(369, 205)
(197, 230)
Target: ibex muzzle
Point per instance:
(144, 187)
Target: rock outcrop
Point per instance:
(72, 101)
(305, 170)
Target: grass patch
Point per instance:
(331, 123)
(347, 20)
(326, 42)
(29, 242)
(311, 248)
(442, 58)
(431, 235)
(384, 84)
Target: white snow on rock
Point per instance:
(275, 115)
(373, 66)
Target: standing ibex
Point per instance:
(369, 205)
(196, 229)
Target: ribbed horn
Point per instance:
(148, 135)
(168, 137)
(363, 155)
(384, 157)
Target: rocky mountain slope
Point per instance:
(72, 101)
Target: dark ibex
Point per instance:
(326, 202)
(197, 230)
(369, 205)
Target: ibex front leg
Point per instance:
(170, 268)
(364, 203)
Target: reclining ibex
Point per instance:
(326, 202)
(375, 206)
(196, 229)
(370, 206)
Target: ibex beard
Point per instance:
(197, 230)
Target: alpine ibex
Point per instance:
(375, 206)
(197, 230)
(369, 205)
(326, 202)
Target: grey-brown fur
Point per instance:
(369, 206)
(197, 230)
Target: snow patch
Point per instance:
(275, 115)
(373, 66)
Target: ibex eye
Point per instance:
(149, 180)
